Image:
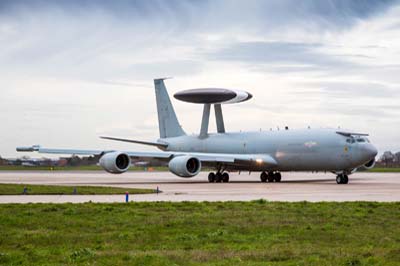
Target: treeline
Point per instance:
(63, 161)
(389, 159)
(71, 161)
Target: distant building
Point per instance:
(62, 162)
(26, 161)
(3, 161)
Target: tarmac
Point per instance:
(300, 186)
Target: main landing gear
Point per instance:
(218, 177)
(270, 177)
(342, 179)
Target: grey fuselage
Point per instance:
(293, 150)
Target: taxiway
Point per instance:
(301, 186)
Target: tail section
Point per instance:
(167, 120)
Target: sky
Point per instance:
(71, 71)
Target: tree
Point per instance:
(387, 158)
(397, 157)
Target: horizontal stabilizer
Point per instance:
(28, 149)
(39, 149)
(157, 144)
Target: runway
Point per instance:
(301, 186)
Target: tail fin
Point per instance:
(167, 120)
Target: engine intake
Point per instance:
(115, 162)
(185, 166)
(370, 164)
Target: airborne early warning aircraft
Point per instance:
(269, 152)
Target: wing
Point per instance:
(157, 144)
(227, 158)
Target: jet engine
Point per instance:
(184, 166)
(369, 165)
(115, 162)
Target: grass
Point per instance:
(17, 189)
(189, 233)
(74, 168)
(385, 170)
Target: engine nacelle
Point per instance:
(369, 165)
(115, 162)
(184, 166)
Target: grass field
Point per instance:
(17, 189)
(385, 170)
(231, 233)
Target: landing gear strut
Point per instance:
(270, 177)
(342, 179)
(218, 177)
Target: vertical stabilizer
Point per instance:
(167, 120)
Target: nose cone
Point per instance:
(373, 151)
(369, 151)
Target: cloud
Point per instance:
(74, 69)
(300, 56)
(353, 90)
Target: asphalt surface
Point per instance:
(311, 187)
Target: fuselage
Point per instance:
(293, 150)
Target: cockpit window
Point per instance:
(360, 140)
(350, 140)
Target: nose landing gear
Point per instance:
(342, 179)
(270, 177)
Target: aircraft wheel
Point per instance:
(277, 177)
(211, 177)
(263, 177)
(218, 177)
(342, 179)
(225, 177)
(270, 178)
(345, 179)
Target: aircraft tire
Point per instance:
(342, 179)
(218, 177)
(225, 177)
(270, 178)
(345, 179)
(277, 177)
(263, 177)
(211, 177)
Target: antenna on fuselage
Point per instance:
(216, 97)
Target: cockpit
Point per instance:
(357, 139)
